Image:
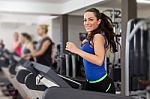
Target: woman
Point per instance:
(16, 44)
(27, 46)
(100, 36)
(44, 51)
(2, 45)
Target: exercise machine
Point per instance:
(137, 58)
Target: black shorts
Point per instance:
(105, 86)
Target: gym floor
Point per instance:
(2, 96)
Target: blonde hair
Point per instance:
(16, 33)
(44, 27)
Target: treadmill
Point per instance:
(40, 77)
(63, 90)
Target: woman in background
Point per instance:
(27, 46)
(16, 44)
(44, 50)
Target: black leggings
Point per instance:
(105, 86)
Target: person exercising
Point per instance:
(44, 50)
(100, 36)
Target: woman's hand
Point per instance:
(71, 47)
(33, 54)
(26, 56)
(84, 41)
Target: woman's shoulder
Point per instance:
(98, 36)
(47, 39)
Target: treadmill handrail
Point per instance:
(80, 85)
(139, 24)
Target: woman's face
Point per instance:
(16, 36)
(90, 21)
(40, 31)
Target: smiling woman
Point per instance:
(100, 36)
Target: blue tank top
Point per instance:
(93, 72)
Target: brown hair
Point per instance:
(27, 36)
(105, 27)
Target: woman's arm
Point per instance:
(44, 47)
(99, 50)
(32, 50)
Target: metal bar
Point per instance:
(80, 86)
(67, 64)
(127, 60)
(137, 26)
(73, 66)
(149, 53)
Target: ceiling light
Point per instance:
(143, 1)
